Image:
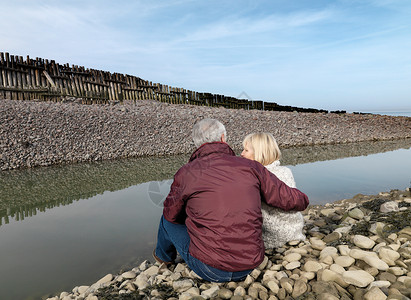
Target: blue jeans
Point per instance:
(173, 238)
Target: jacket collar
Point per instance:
(210, 148)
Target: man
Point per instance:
(212, 215)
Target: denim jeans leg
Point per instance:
(173, 238)
(215, 275)
(170, 239)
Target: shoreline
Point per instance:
(36, 134)
(358, 248)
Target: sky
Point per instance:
(332, 54)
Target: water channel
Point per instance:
(66, 226)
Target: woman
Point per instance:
(279, 226)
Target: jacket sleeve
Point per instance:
(174, 205)
(276, 193)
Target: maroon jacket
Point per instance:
(218, 196)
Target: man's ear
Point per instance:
(222, 138)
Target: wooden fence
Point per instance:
(44, 79)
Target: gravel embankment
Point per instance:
(46, 133)
(358, 248)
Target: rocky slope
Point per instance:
(46, 133)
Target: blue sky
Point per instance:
(348, 55)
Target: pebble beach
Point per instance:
(36, 133)
(357, 248)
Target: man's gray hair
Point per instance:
(207, 131)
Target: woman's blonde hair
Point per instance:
(266, 150)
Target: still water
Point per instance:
(70, 225)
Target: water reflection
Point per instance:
(115, 228)
(24, 193)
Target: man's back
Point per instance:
(218, 196)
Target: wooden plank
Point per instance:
(8, 74)
(20, 81)
(49, 79)
(2, 77)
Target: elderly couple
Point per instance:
(222, 209)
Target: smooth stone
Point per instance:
(82, 289)
(253, 292)
(326, 212)
(388, 255)
(301, 251)
(129, 275)
(337, 268)
(300, 287)
(292, 265)
(269, 275)
(361, 254)
(141, 281)
(175, 276)
(359, 278)
(329, 251)
(344, 261)
(363, 241)
(105, 279)
(356, 213)
(394, 247)
(294, 242)
(344, 249)
(259, 286)
(225, 293)
(328, 260)
(287, 284)
(276, 267)
(332, 237)
(385, 276)
(327, 296)
(317, 244)
(255, 273)
(232, 285)
(389, 206)
(263, 263)
(397, 271)
(406, 280)
(144, 265)
(273, 286)
(211, 292)
(312, 266)
(240, 291)
(182, 285)
(376, 263)
(153, 270)
(187, 296)
(308, 275)
(374, 294)
(380, 284)
(328, 275)
(292, 257)
(194, 291)
(263, 295)
(280, 275)
(379, 246)
(179, 268)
